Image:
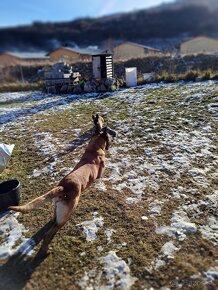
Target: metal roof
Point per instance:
(139, 45)
(89, 51)
(200, 38)
(27, 55)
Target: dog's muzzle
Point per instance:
(111, 132)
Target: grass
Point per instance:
(191, 75)
(135, 240)
(20, 86)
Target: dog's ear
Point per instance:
(100, 117)
(93, 117)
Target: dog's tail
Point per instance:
(39, 201)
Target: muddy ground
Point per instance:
(149, 223)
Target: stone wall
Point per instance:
(87, 86)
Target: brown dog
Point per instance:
(67, 193)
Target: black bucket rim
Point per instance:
(10, 194)
(13, 187)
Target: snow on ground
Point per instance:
(12, 233)
(167, 253)
(91, 227)
(117, 274)
(179, 228)
(212, 273)
(171, 145)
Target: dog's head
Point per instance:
(98, 124)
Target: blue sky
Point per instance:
(16, 12)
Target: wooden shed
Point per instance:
(23, 58)
(128, 50)
(71, 55)
(199, 45)
(102, 65)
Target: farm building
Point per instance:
(23, 58)
(71, 55)
(199, 45)
(128, 50)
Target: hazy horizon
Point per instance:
(26, 12)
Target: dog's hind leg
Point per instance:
(63, 211)
(47, 239)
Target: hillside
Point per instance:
(169, 21)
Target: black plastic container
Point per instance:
(9, 193)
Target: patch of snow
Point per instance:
(49, 169)
(149, 151)
(144, 218)
(169, 249)
(100, 248)
(212, 273)
(113, 272)
(117, 272)
(77, 131)
(156, 264)
(167, 252)
(12, 238)
(155, 207)
(209, 231)
(109, 233)
(46, 143)
(196, 171)
(26, 248)
(89, 280)
(192, 98)
(213, 198)
(132, 200)
(177, 193)
(181, 160)
(207, 129)
(91, 227)
(179, 228)
(100, 185)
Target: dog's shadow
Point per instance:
(18, 269)
(80, 140)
